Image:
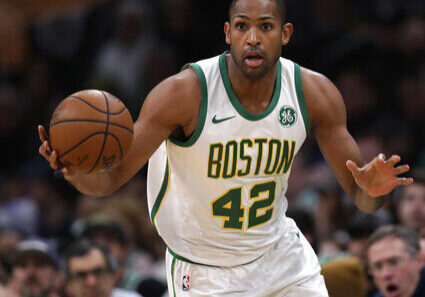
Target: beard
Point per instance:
(253, 74)
(32, 288)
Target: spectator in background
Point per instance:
(134, 215)
(422, 245)
(51, 202)
(34, 271)
(410, 203)
(18, 212)
(133, 267)
(395, 263)
(305, 223)
(90, 272)
(322, 197)
(12, 124)
(360, 99)
(120, 61)
(360, 227)
(8, 242)
(345, 277)
(16, 19)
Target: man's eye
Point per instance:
(267, 26)
(240, 26)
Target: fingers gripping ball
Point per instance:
(91, 130)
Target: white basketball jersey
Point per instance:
(219, 197)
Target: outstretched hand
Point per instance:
(380, 176)
(51, 156)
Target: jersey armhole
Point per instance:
(301, 98)
(202, 111)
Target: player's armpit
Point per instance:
(173, 103)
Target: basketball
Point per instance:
(91, 130)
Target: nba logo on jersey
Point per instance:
(186, 285)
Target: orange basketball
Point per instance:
(91, 130)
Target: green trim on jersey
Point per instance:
(235, 101)
(301, 98)
(177, 256)
(202, 111)
(161, 194)
(173, 270)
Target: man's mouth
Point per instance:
(254, 57)
(254, 60)
(392, 290)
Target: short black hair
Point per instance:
(111, 229)
(83, 247)
(281, 6)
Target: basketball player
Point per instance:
(221, 137)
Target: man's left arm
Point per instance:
(365, 183)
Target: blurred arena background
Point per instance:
(373, 50)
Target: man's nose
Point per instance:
(91, 280)
(253, 37)
(387, 272)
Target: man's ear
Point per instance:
(227, 32)
(287, 31)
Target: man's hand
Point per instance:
(379, 177)
(52, 156)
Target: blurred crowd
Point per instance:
(373, 50)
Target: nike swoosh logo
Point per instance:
(216, 121)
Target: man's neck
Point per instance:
(254, 94)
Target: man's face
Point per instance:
(394, 270)
(90, 276)
(34, 276)
(255, 36)
(411, 209)
(118, 250)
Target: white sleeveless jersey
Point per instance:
(219, 197)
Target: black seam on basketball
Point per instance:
(113, 98)
(91, 121)
(105, 136)
(118, 112)
(119, 144)
(79, 143)
(97, 109)
(88, 103)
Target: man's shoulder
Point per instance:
(124, 293)
(317, 86)
(211, 59)
(323, 100)
(378, 294)
(420, 289)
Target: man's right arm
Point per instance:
(172, 104)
